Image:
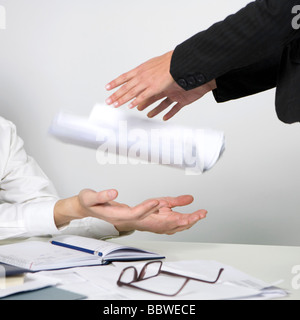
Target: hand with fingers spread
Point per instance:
(151, 82)
(166, 221)
(154, 215)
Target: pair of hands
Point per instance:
(155, 215)
(151, 82)
(143, 86)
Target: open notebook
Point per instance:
(69, 251)
(128, 138)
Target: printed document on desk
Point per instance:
(101, 283)
(232, 285)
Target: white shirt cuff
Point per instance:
(40, 218)
(91, 227)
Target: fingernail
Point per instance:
(203, 215)
(116, 104)
(112, 193)
(108, 101)
(108, 86)
(154, 203)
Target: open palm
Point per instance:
(166, 220)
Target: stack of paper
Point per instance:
(101, 282)
(31, 282)
(122, 138)
(15, 280)
(233, 283)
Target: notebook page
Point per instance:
(37, 255)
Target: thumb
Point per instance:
(90, 198)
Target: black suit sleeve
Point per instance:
(249, 80)
(246, 38)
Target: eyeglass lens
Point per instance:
(150, 270)
(129, 275)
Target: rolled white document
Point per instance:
(121, 138)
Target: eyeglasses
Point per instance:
(152, 269)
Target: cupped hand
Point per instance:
(101, 205)
(166, 220)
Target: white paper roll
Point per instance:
(120, 137)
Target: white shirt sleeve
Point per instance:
(27, 196)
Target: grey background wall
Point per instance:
(59, 54)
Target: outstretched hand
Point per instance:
(155, 215)
(151, 82)
(166, 220)
(101, 205)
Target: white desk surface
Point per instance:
(267, 263)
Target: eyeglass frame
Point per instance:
(139, 276)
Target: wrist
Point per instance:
(212, 85)
(124, 228)
(67, 210)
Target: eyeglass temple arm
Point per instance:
(187, 279)
(191, 278)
